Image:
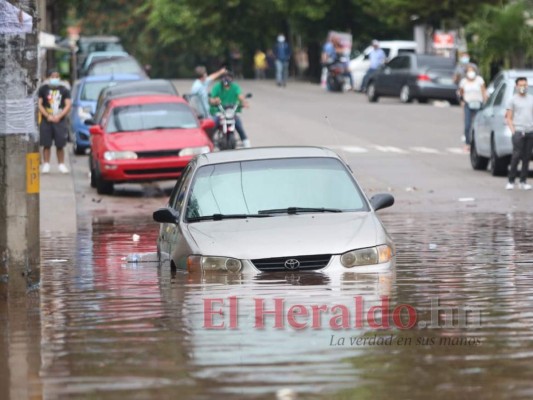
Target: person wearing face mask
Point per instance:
(460, 69)
(519, 118)
(227, 92)
(54, 105)
(282, 52)
(473, 94)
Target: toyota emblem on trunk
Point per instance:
(292, 263)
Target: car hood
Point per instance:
(157, 139)
(287, 235)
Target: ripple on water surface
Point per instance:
(118, 328)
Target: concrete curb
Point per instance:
(58, 199)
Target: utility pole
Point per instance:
(19, 149)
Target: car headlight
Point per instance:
(85, 112)
(367, 256)
(193, 151)
(208, 263)
(119, 155)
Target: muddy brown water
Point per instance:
(105, 328)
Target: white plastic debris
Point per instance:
(285, 394)
(132, 258)
(466, 199)
(432, 246)
(135, 237)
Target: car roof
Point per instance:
(99, 38)
(113, 59)
(397, 43)
(146, 99)
(263, 153)
(154, 86)
(110, 78)
(515, 73)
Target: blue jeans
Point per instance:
(282, 71)
(238, 126)
(469, 117)
(367, 76)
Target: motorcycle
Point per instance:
(224, 135)
(336, 79)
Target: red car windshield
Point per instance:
(143, 117)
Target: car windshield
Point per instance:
(116, 67)
(142, 117)
(91, 90)
(270, 186)
(435, 62)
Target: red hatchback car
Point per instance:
(145, 138)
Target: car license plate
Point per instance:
(446, 81)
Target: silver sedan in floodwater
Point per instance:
(272, 209)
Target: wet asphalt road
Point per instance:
(107, 328)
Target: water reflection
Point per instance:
(111, 328)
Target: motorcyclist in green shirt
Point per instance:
(226, 92)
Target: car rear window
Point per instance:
(435, 62)
(116, 67)
(91, 90)
(141, 117)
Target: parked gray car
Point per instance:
(491, 137)
(292, 209)
(414, 77)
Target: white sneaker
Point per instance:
(63, 169)
(509, 186)
(46, 168)
(246, 143)
(524, 186)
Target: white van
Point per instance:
(359, 65)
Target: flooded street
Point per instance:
(104, 327)
(110, 328)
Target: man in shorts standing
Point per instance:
(54, 106)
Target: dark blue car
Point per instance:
(84, 95)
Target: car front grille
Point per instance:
(158, 153)
(293, 263)
(151, 171)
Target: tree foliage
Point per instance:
(502, 35)
(174, 35)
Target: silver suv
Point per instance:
(491, 137)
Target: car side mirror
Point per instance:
(207, 123)
(166, 215)
(96, 130)
(381, 200)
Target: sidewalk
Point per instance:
(58, 199)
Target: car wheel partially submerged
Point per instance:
(103, 186)
(405, 94)
(371, 93)
(478, 162)
(498, 165)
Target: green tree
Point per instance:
(502, 35)
(439, 14)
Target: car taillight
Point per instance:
(423, 77)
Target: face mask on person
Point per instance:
(522, 89)
(470, 74)
(464, 59)
(54, 81)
